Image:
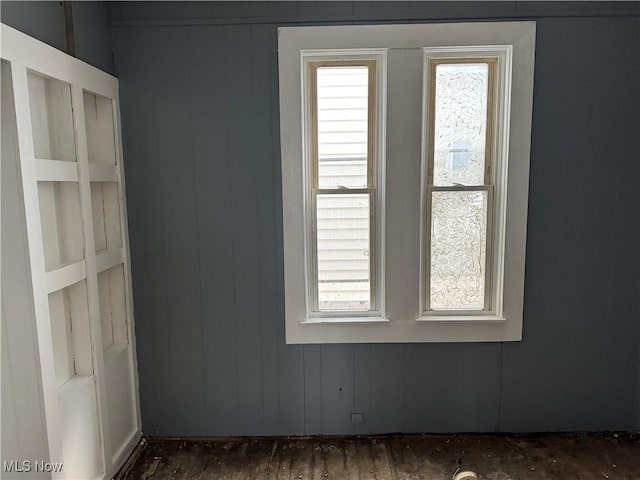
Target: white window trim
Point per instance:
(406, 324)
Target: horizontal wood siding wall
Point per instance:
(199, 98)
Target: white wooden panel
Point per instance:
(108, 258)
(107, 226)
(81, 330)
(23, 428)
(36, 256)
(81, 432)
(98, 116)
(112, 214)
(106, 318)
(51, 118)
(65, 276)
(121, 405)
(70, 332)
(66, 112)
(113, 313)
(61, 223)
(56, 171)
(49, 221)
(106, 310)
(97, 208)
(103, 173)
(61, 336)
(92, 287)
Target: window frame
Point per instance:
(403, 47)
(495, 175)
(375, 61)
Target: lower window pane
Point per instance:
(344, 281)
(458, 250)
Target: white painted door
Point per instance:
(70, 165)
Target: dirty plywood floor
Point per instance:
(415, 457)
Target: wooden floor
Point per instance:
(566, 457)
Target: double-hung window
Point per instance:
(343, 213)
(464, 189)
(405, 162)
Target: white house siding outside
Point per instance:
(343, 220)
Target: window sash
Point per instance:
(490, 138)
(490, 294)
(371, 66)
(373, 254)
(489, 300)
(314, 190)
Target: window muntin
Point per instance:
(342, 99)
(460, 188)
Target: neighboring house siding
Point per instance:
(343, 245)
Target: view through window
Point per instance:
(342, 184)
(459, 182)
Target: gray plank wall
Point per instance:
(199, 100)
(45, 21)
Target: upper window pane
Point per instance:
(461, 91)
(342, 103)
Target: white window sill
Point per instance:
(382, 330)
(343, 320)
(461, 319)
